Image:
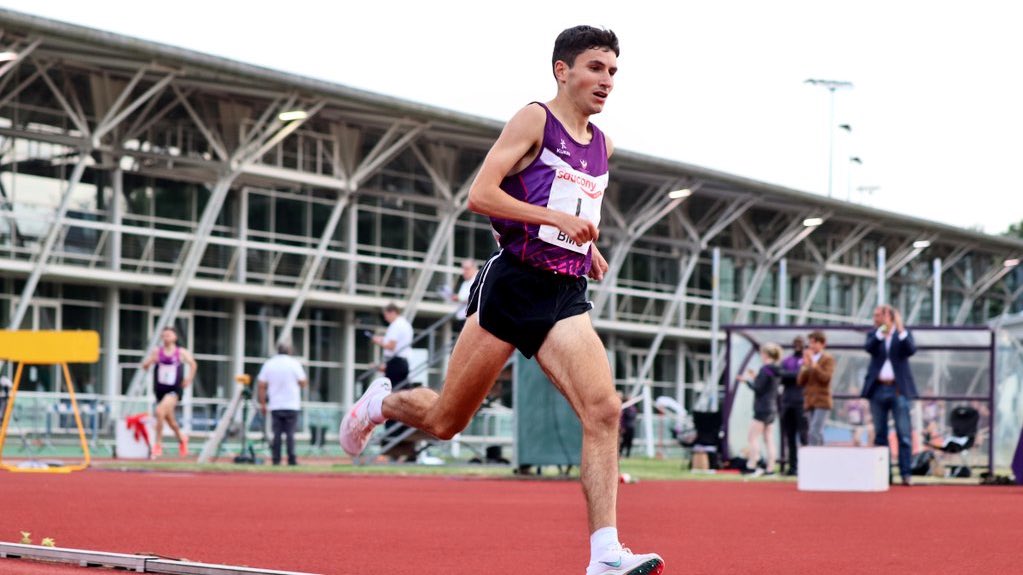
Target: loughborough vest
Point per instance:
(169, 368)
(565, 176)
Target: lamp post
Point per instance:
(848, 176)
(831, 85)
(868, 190)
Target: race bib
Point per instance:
(167, 374)
(575, 193)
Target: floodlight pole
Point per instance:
(715, 327)
(783, 291)
(936, 294)
(831, 86)
(881, 275)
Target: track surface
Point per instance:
(427, 525)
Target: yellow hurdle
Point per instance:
(47, 348)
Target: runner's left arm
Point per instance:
(188, 359)
(599, 266)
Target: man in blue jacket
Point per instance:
(889, 383)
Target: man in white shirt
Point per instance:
(282, 379)
(396, 343)
(469, 271)
(889, 383)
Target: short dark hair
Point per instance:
(819, 336)
(576, 40)
(170, 328)
(391, 307)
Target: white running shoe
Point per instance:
(618, 560)
(356, 427)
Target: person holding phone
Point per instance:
(396, 344)
(889, 382)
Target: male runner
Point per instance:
(169, 383)
(541, 184)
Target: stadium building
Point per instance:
(144, 185)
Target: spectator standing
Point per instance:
(627, 427)
(815, 379)
(281, 380)
(396, 343)
(889, 383)
(765, 407)
(469, 271)
(793, 418)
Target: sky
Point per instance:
(935, 111)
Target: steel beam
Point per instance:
(51, 240)
(644, 218)
(190, 262)
(788, 239)
(22, 54)
(80, 122)
(441, 238)
(211, 137)
(313, 266)
(244, 157)
(115, 116)
(982, 285)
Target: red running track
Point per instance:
(426, 525)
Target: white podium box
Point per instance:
(843, 469)
(127, 447)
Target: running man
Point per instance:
(169, 381)
(541, 184)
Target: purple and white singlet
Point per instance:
(568, 177)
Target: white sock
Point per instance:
(376, 408)
(600, 540)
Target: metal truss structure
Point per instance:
(182, 175)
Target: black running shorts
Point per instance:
(162, 390)
(519, 303)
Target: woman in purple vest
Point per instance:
(169, 382)
(541, 184)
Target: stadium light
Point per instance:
(921, 244)
(813, 222)
(1011, 263)
(8, 56)
(831, 86)
(292, 115)
(683, 193)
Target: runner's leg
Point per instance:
(169, 402)
(475, 363)
(574, 359)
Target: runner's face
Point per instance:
(590, 80)
(169, 337)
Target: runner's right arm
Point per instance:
(521, 138)
(150, 359)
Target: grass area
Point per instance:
(315, 467)
(641, 468)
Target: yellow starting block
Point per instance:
(47, 348)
